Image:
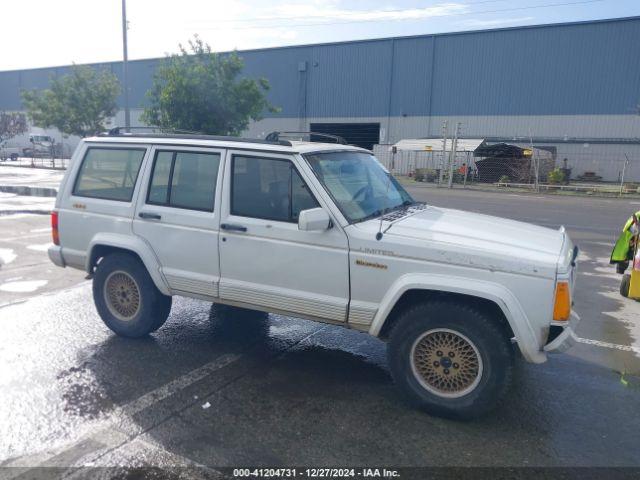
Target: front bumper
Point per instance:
(567, 338)
(55, 255)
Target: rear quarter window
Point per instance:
(109, 173)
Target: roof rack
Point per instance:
(128, 130)
(275, 136)
(185, 134)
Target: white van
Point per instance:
(40, 146)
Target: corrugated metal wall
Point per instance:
(555, 70)
(587, 68)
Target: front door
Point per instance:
(264, 259)
(178, 215)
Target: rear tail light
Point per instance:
(562, 304)
(54, 228)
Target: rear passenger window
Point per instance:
(109, 173)
(184, 180)
(268, 188)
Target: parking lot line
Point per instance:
(107, 438)
(598, 343)
(101, 439)
(180, 383)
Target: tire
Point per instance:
(126, 298)
(14, 157)
(421, 338)
(624, 285)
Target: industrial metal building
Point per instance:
(573, 88)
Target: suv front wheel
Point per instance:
(450, 359)
(126, 297)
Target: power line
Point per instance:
(322, 24)
(346, 13)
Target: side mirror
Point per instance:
(314, 219)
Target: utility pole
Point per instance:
(444, 149)
(125, 73)
(452, 156)
(536, 166)
(624, 169)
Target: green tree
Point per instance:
(12, 124)
(199, 90)
(76, 104)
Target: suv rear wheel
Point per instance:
(450, 359)
(126, 298)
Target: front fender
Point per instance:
(497, 293)
(136, 245)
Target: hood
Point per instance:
(481, 240)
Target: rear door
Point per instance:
(177, 214)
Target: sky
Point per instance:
(42, 33)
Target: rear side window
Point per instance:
(269, 189)
(109, 173)
(184, 180)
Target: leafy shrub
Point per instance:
(555, 176)
(504, 179)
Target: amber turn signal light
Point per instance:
(562, 304)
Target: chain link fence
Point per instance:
(605, 168)
(58, 157)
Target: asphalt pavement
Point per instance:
(217, 388)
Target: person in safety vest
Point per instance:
(624, 250)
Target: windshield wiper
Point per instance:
(384, 211)
(404, 205)
(375, 214)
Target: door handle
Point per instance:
(232, 227)
(149, 216)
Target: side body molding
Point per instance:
(497, 293)
(134, 244)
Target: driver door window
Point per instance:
(269, 189)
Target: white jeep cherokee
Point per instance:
(320, 231)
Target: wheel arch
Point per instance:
(491, 297)
(104, 244)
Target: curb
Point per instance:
(5, 213)
(545, 193)
(29, 191)
(38, 167)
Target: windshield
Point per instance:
(361, 187)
